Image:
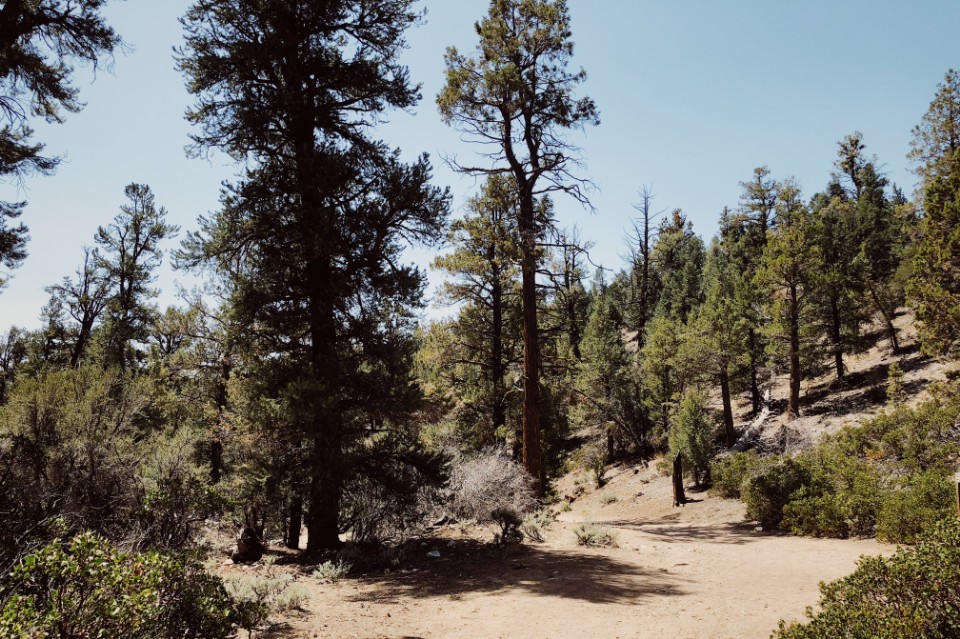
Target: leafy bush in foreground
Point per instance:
(86, 587)
(912, 594)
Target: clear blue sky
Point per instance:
(693, 95)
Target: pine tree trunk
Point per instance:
(888, 320)
(531, 455)
(497, 367)
(323, 518)
(728, 429)
(793, 402)
(756, 399)
(323, 514)
(836, 336)
(294, 522)
(532, 458)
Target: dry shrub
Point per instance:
(491, 483)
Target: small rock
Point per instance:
(434, 554)
(758, 529)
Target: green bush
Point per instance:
(842, 497)
(86, 587)
(767, 493)
(912, 594)
(907, 513)
(731, 471)
(886, 477)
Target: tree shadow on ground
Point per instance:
(474, 567)
(736, 534)
(870, 385)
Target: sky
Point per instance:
(693, 95)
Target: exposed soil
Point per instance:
(701, 570)
(827, 404)
(696, 571)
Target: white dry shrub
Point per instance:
(488, 483)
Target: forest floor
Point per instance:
(702, 570)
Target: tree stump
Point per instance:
(249, 548)
(679, 498)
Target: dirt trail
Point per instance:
(696, 571)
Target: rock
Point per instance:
(434, 554)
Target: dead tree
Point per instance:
(679, 498)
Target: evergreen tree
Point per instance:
(789, 274)
(607, 377)
(130, 255)
(840, 300)
(312, 236)
(664, 371)
(756, 217)
(935, 287)
(877, 232)
(516, 95)
(39, 41)
(86, 299)
(13, 353)
(484, 266)
(721, 323)
(691, 434)
(678, 256)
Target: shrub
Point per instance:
(911, 594)
(509, 522)
(589, 535)
(86, 587)
(395, 488)
(767, 493)
(907, 513)
(841, 498)
(729, 472)
(332, 570)
(491, 486)
(535, 524)
(593, 459)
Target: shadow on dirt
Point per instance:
(736, 534)
(471, 567)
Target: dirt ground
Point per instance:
(695, 571)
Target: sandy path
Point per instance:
(697, 571)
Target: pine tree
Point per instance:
(789, 274)
(312, 236)
(130, 255)
(935, 287)
(484, 267)
(39, 42)
(756, 217)
(516, 95)
(721, 322)
(607, 378)
(678, 257)
(840, 300)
